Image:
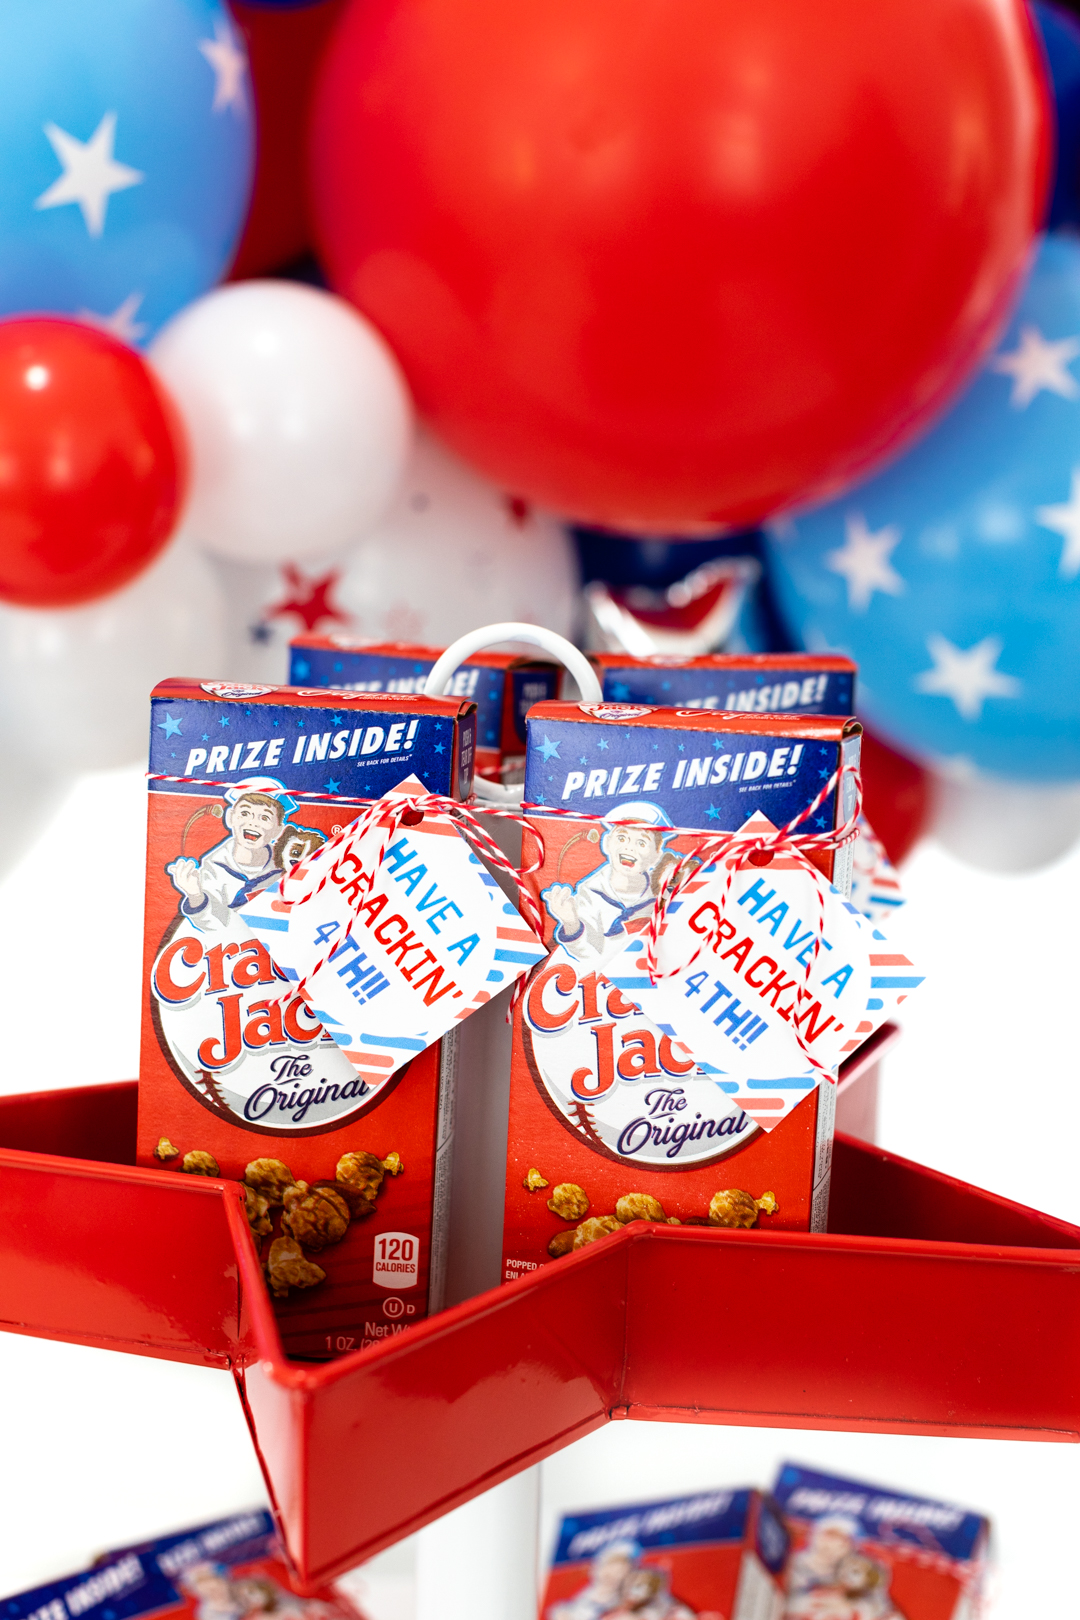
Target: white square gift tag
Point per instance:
(743, 990)
(392, 954)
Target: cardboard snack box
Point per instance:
(230, 1569)
(862, 1552)
(755, 683)
(715, 1555)
(238, 1079)
(503, 685)
(607, 1121)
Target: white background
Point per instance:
(100, 1449)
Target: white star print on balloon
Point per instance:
(1037, 364)
(864, 562)
(967, 676)
(1065, 520)
(229, 64)
(91, 173)
(121, 323)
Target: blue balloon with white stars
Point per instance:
(128, 142)
(953, 578)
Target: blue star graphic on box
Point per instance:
(171, 726)
(129, 150)
(549, 749)
(953, 577)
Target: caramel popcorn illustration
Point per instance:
(733, 1207)
(315, 1216)
(598, 1227)
(269, 1177)
(198, 1163)
(568, 1201)
(287, 1268)
(165, 1150)
(639, 1207)
(562, 1243)
(361, 1175)
(392, 1164)
(534, 1181)
(257, 1211)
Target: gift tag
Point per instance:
(391, 954)
(748, 995)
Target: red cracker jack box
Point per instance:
(716, 1555)
(236, 1078)
(231, 1569)
(609, 1121)
(860, 1552)
(503, 685)
(752, 683)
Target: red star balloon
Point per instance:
(309, 599)
(664, 265)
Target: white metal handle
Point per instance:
(490, 635)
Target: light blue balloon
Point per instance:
(954, 577)
(127, 147)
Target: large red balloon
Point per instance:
(93, 463)
(657, 263)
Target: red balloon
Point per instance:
(896, 796)
(660, 265)
(93, 463)
(284, 49)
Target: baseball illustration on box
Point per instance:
(311, 945)
(674, 1058)
(713, 1555)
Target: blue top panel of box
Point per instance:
(873, 1513)
(357, 670)
(682, 1521)
(357, 750)
(749, 690)
(694, 778)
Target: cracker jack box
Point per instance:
(716, 1555)
(752, 683)
(611, 1118)
(238, 1076)
(231, 1569)
(503, 685)
(861, 1552)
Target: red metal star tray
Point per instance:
(918, 1312)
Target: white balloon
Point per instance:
(298, 416)
(1004, 826)
(452, 553)
(75, 682)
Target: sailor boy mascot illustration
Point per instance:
(243, 863)
(594, 917)
(223, 1010)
